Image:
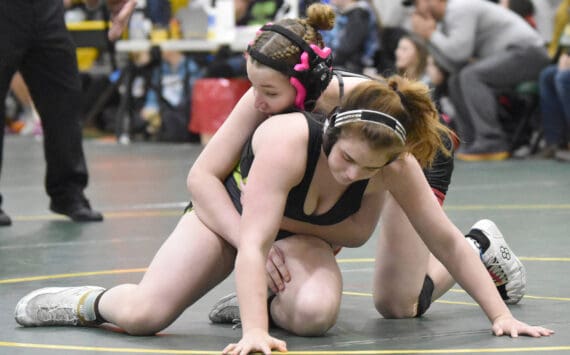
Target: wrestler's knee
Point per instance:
(144, 318)
(314, 315)
(392, 308)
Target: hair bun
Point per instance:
(393, 84)
(320, 16)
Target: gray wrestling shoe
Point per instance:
(226, 310)
(506, 270)
(55, 306)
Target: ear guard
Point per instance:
(331, 128)
(310, 76)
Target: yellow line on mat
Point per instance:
(138, 270)
(107, 215)
(563, 206)
(178, 212)
(64, 276)
(523, 258)
(300, 352)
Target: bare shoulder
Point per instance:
(280, 147)
(392, 173)
(283, 129)
(406, 165)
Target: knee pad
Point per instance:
(424, 300)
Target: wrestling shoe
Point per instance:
(55, 306)
(226, 310)
(503, 265)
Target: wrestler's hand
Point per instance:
(508, 325)
(277, 271)
(255, 340)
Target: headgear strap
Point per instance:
(310, 76)
(375, 117)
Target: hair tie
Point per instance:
(403, 98)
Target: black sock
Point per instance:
(480, 238)
(98, 317)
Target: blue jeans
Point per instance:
(555, 105)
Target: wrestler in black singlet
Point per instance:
(439, 173)
(348, 204)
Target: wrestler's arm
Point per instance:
(264, 198)
(216, 161)
(406, 182)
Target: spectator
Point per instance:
(29, 117)
(485, 47)
(166, 108)
(524, 8)
(256, 12)
(437, 78)
(561, 19)
(354, 38)
(544, 13)
(411, 58)
(555, 93)
(46, 59)
(159, 12)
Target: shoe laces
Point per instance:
(56, 313)
(497, 271)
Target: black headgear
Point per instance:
(310, 77)
(332, 130)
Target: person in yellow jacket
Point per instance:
(561, 21)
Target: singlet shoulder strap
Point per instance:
(340, 84)
(341, 74)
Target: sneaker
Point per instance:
(226, 310)
(562, 155)
(503, 265)
(54, 306)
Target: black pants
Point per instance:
(35, 41)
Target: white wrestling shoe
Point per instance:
(226, 310)
(54, 306)
(506, 270)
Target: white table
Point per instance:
(243, 36)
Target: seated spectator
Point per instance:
(159, 12)
(28, 120)
(166, 109)
(227, 64)
(354, 38)
(561, 19)
(437, 78)
(486, 48)
(524, 8)
(256, 12)
(411, 58)
(414, 62)
(554, 93)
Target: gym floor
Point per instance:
(141, 190)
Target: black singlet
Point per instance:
(348, 204)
